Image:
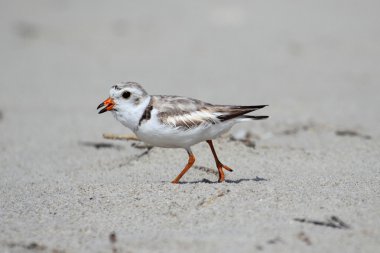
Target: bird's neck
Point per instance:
(131, 117)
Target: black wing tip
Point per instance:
(260, 106)
(238, 111)
(250, 106)
(255, 117)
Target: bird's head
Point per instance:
(124, 96)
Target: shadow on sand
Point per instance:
(228, 181)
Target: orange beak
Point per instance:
(108, 105)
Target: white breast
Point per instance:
(130, 116)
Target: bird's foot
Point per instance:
(221, 166)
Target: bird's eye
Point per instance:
(126, 94)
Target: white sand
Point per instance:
(316, 64)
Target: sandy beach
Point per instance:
(305, 180)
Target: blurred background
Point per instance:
(309, 60)
(316, 63)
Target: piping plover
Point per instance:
(173, 121)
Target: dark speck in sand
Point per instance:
(332, 222)
(275, 240)
(303, 237)
(352, 133)
(113, 238)
(31, 246)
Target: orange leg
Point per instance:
(187, 167)
(219, 165)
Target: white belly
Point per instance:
(153, 133)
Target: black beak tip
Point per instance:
(101, 105)
(102, 110)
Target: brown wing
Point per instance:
(183, 112)
(189, 113)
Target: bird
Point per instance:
(174, 121)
